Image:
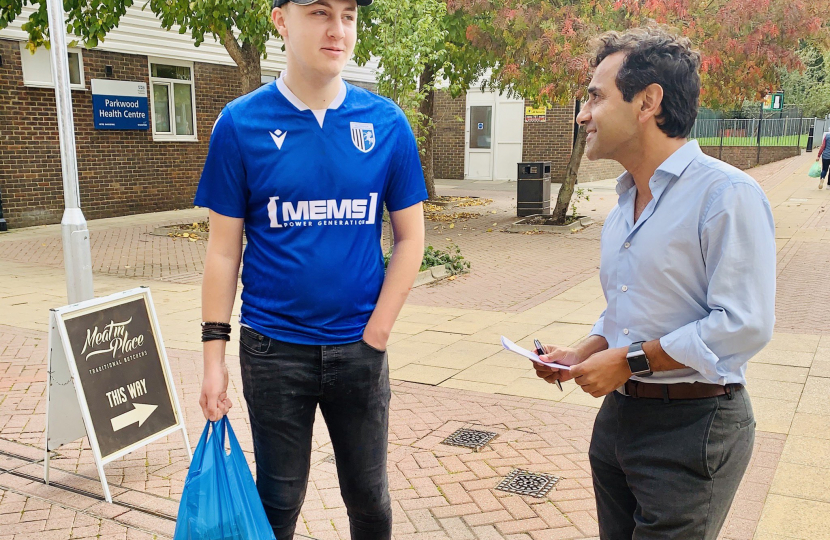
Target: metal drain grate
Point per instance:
(470, 438)
(527, 483)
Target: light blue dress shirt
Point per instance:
(697, 270)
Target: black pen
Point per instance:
(540, 351)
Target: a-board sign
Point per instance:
(120, 369)
(111, 349)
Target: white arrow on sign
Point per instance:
(139, 414)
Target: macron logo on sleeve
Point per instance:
(279, 136)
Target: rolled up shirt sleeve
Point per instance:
(737, 238)
(598, 326)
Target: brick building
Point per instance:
(120, 171)
(483, 136)
(127, 171)
(509, 137)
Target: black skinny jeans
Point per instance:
(283, 384)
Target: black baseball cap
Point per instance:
(278, 3)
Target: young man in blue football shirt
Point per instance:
(305, 165)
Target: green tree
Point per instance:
(809, 88)
(242, 26)
(419, 44)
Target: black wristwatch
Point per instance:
(637, 360)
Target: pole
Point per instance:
(720, 151)
(760, 121)
(800, 130)
(810, 135)
(77, 257)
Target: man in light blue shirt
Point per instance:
(688, 272)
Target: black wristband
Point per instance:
(212, 331)
(207, 336)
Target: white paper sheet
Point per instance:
(512, 347)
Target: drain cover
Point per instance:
(527, 483)
(329, 459)
(470, 438)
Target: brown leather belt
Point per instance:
(637, 389)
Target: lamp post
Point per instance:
(77, 257)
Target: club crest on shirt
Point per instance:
(363, 136)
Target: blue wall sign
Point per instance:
(120, 105)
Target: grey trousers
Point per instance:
(669, 470)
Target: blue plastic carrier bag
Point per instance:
(220, 500)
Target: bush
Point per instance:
(451, 259)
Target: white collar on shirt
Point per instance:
(320, 114)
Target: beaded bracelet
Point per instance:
(212, 331)
(217, 325)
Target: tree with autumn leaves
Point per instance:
(544, 46)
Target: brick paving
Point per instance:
(803, 294)
(119, 251)
(438, 491)
(503, 279)
(510, 271)
(23, 518)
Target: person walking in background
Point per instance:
(824, 156)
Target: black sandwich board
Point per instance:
(121, 394)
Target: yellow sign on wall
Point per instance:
(535, 114)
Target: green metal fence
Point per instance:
(752, 132)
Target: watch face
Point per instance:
(638, 364)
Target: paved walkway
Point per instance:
(448, 373)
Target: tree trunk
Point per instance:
(560, 211)
(247, 61)
(250, 70)
(427, 128)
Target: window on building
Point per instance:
(173, 100)
(268, 77)
(37, 68)
(481, 120)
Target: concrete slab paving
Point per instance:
(448, 372)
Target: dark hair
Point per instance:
(655, 56)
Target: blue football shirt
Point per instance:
(310, 186)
